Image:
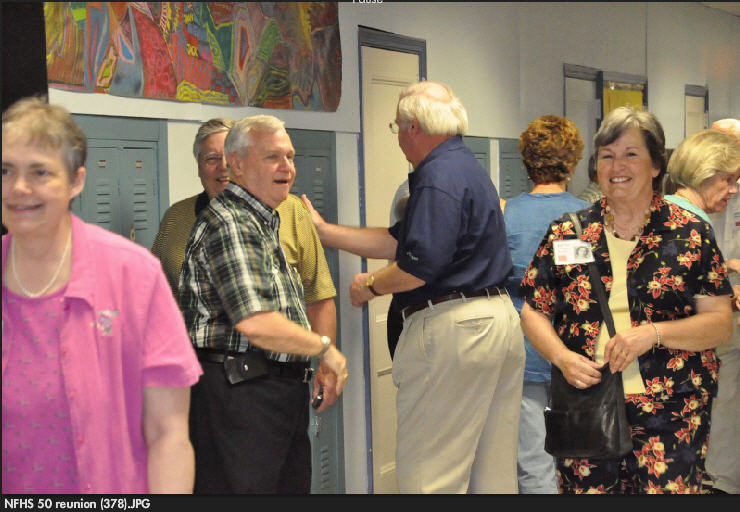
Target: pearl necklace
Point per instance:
(53, 279)
(610, 223)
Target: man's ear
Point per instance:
(234, 164)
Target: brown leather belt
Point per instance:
(485, 292)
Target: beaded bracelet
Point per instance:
(658, 342)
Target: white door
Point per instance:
(696, 119)
(582, 107)
(384, 75)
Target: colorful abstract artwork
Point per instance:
(282, 55)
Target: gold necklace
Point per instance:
(53, 279)
(610, 223)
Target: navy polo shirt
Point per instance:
(453, 235)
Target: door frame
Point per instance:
(375, 38)
(600, 78)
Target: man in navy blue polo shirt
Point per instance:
(460, 358)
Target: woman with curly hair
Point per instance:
(551, 146)
(667, 289)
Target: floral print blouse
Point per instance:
(676, 258)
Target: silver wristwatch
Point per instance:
(325, 344)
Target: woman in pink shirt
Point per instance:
(96, 362)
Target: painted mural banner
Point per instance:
(283, 55)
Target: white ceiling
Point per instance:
(731, 7)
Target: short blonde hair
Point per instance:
(33, 121)
(437, 115)
(702, 155)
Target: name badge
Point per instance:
(572, 252)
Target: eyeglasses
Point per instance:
(393, 126)
(213, 159)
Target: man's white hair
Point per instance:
(435, 107)
(239, 138)
(729, 126)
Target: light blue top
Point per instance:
(688, 205)
(527, 217)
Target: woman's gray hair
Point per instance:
(35, 122)
(239, 137)
(436, 116)
(622, 119)
(215, 125)
(702, 155)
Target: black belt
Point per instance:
(300, 369)
(485, 292)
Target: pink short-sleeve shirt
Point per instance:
(120, 331)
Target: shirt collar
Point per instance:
(263, 212)
(201, 202)
(597, 212)
(82, 278)
(454, 142)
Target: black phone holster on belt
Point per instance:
(245, 366)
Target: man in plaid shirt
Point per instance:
(244, 309)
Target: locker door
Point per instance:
(125, 158)
(315, 173)
(513, 179)
(316, 177)
(323, 428)
(138, 183)
(311, 179)
(100, 202)
(481, 148)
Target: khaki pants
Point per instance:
(459, 369)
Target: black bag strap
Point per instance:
(596, 284)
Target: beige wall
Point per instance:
(691, 44)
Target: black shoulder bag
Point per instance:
(591, 422)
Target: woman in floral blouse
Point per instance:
(667, 289)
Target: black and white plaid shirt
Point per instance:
(234, 266)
